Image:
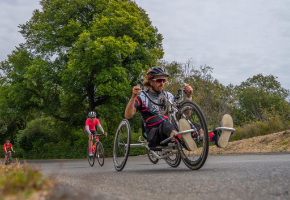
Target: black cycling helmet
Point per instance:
(92, 114)
(156, 71)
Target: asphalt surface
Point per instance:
(222, 177)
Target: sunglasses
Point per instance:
(159, 80)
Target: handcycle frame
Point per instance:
(175, 146)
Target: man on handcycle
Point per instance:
(157, 126)
(90, 128)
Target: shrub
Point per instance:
(21, 180)
(272, 125)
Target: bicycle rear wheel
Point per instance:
(100, 153)
(194, 159)
(151, 157)
(122, 145)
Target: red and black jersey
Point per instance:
(149, 111)
(7, 147)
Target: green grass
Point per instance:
(21, 181)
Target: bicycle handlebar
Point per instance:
(99, 134)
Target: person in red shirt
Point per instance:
(90, 128)
(6, 149)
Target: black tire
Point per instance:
(152, 158)
(91, 159)
(100, 153)
(122, 145)
(174, 160)
(194, 159)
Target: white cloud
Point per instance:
(238, 38)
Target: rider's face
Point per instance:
(92, 119)
(158, 82)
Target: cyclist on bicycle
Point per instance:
(6, 149)
(90, 128)
(157, 125)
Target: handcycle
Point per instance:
(9, 158)
(172, 149)
(98, 151)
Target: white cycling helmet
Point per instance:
(92, 114)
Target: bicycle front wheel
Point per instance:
(122, 145)
(91, 159)
(100, 153)
(193, 114)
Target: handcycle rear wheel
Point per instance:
(194, 159)
(151, 157)
(122, 145)
(173, 160)
(99, 153)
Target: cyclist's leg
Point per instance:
(96, 138)
(159, 133)
(5, 156)
(89, 141)
(166, 129)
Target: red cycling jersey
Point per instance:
(7, 147)
(92, 124)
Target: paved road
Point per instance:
(222, 177)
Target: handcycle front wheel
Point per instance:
(122, 145)
(194, 159)
(99, 153)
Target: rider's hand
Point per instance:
(136, 91)
(188, 90)
(105, 134)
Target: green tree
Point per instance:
(107, 59)
(81, 55)
(258, 95)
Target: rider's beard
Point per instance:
(158, 90)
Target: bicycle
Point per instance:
(172, 149)
(9, 158)
(98, 151)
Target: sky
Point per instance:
(238, 39)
